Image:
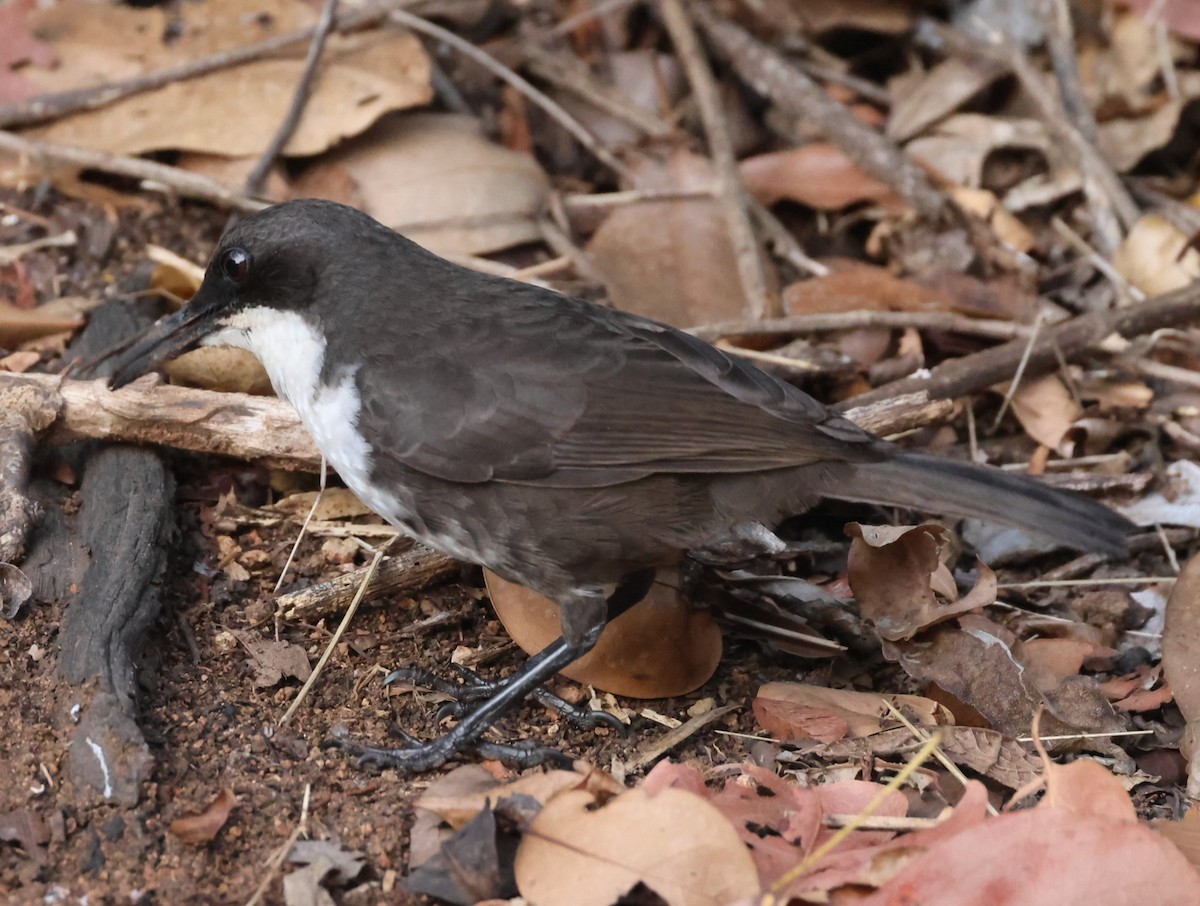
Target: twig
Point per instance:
(786, 245)
(922, 737)
(1098, 261)
(669, 740)
(152, 175)
(793, 91)
(1060, 41)
(1020, 372)
(280, 855)
(730, 192)
(1111, 204)
(47, 107)
(498, 69)
(969, 373)
(853, 320)
(337, 635)
(402, 574)
(287, 128)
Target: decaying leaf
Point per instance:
(1046, 410)
(1152, 257)
(335, 503)
(204, 827)
(818, 175)
(671, 260)
(273, 660)
(663, 647)
(801, 710)
(894, 572)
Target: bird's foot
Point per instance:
(416, 757)
(475, 688)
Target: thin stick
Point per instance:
(277, 858)
(498, 69)
(730, 191)
(287, 128)
(1020, 373)
(992, 329)
(771, 897)
(1073, 583)
(153, 176)
(921, 736)
(337, 637)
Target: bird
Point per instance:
(569, 447)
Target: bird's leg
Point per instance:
(559, 654)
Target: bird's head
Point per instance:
(275, 260)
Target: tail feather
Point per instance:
(964, 489)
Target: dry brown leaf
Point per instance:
(1149, 256)
(274, 660)
(1185, 834)
(361, 77)
(458, 801)
(204, 827)
(855, 286)
(220, 368)
(661, 648)
(19, 325)
(921, 98)
(1046, 410)
(986, 206)
(676, 843)
(959, 146)
(1048, 661)
(801, 710)
(1181, 641)
(818, 175)
(894, 572)
(436, 179)
(336, 503)
(670, 260)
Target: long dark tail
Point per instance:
(963, 489)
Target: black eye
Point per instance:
(235, 265)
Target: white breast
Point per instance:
(293, 353)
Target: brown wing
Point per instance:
(558, 391)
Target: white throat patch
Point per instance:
(293, 353)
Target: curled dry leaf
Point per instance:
(438, 180)
(577, 853)
(204, 827)
(894, 572)
(818, 175)
(1152, 256)
(661, 648)
(802, 711)
(335, 503)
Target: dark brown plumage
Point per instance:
(562, 444)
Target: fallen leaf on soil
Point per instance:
(435, 178)
(1181, 659)
(336, 503)
(670, 260)
(958, 147)
(894, 571)
(663, 647)
(818, 175)
(361, 77)
(922, 97)
(19, 325)
(1046, 410)
(678, 845)
(222, 368)
(457, 801)
(204, 827)
(1150, 258)
(862, 287)
(344, 864)
(1048, 661)
(274, 660)
(472, 865)
(801, 711)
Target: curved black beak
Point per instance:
(166, 338)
